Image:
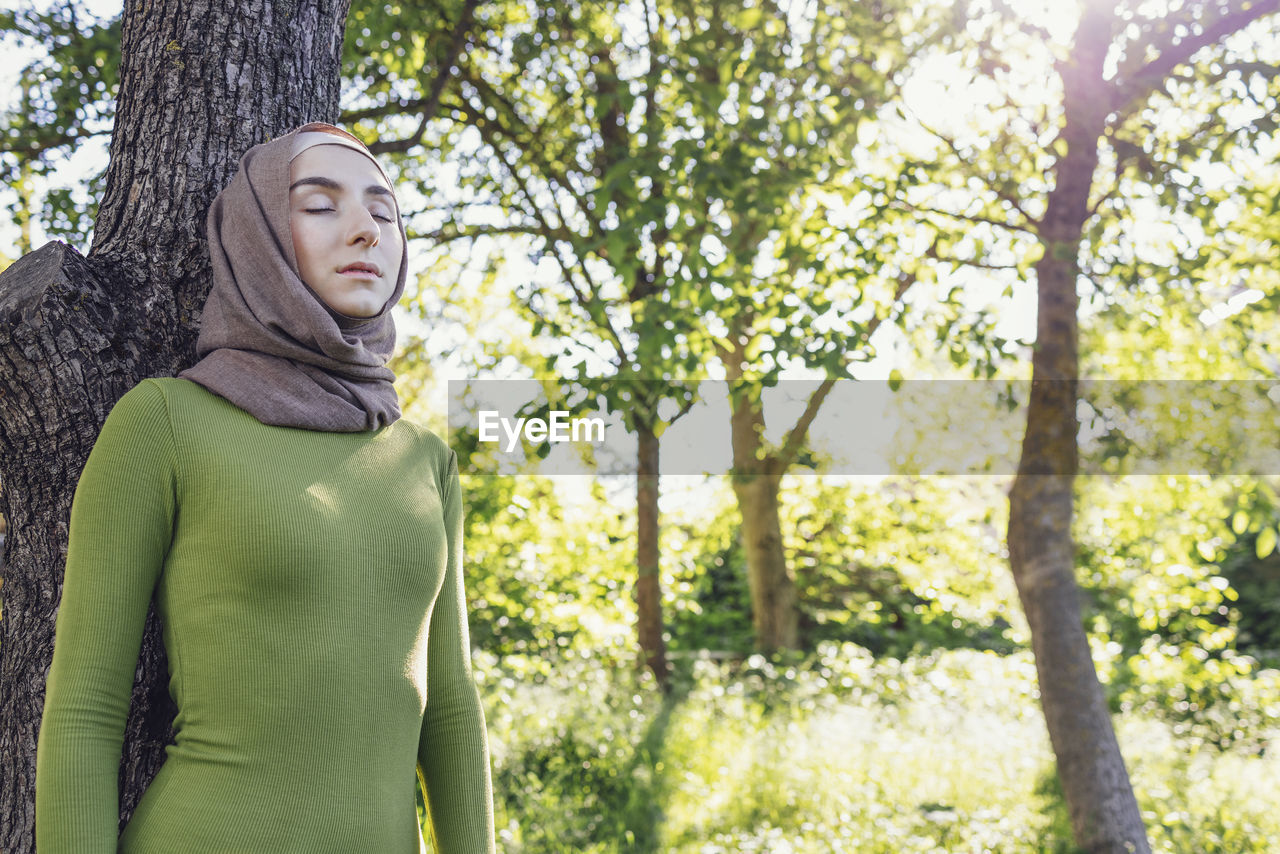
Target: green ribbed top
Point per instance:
(310, 590)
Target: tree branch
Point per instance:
(533, 146)
(591, 303)
(647, 286)
(1151, 75)
(786, 455)
(967, 217)
(492, 132)
(398, 106)
(443, 235)
(1009, 199)
(905, 281)
(796, 435)
(963, 262)
(41, 143)
(1102, 199)
(431, 104)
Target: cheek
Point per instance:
(395, 255)
(304, 244)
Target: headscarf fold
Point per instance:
(268, 343)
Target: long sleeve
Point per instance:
(453, 755)
(121, 526)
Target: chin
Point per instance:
(362, 308)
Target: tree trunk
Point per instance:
(648, 579)
(199, 84)
(756, 485)
(773, 591)
(1104, 813)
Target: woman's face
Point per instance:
(345, 237)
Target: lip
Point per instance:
(362, 269)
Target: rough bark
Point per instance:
(1104, 813)
(55, 317)
(648, 581)
(200, 83)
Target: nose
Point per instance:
(365, 228)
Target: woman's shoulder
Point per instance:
(428, 439)
(148, 401)
(176, 388)
(443, 458)
(190, 415)
(166, 391)
(191, 406)
(140, 414)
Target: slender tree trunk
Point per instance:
(756, 484)
(648, 580)
(773, 591)
(1104, 813)
(200, 83)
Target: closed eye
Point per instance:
(376, 214)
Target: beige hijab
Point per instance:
(267, 342)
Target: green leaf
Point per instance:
(751, 18)
(726, 69)
(1266, 543)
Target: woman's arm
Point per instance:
(453, 750)
(121, 526)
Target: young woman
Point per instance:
(303, 546)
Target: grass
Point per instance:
(838, 753)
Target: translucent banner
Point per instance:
(947, 427)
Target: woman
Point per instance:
(303, 545)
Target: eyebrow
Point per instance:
(330, 184)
